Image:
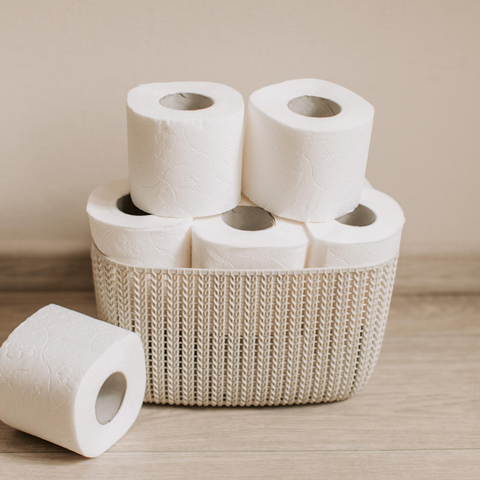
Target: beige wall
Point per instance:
(68, 65)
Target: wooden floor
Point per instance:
(417, 418)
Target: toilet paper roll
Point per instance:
(185, 143)
(248, 237)
(72, 380)
(128, 235)
(367, 236)
(306, 149)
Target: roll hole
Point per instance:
(110, 397)
(310, 106)
(125, 205)
(362, 216)
(248, 218)
(186, 101)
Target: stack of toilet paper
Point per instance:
(283, 188)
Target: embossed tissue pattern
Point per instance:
(216, 245)
(185, 169)
(303, 175)
(42, 364)
(335, 244)
(136, 240)
(324, 254)
(223, 257)
(166, 247)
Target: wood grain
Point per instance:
(438, 274)
(415, 274)
(410, 314)
(418, 417)
(64, 272)
(423, 395)
(406, 465)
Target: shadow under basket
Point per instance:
(249, 337)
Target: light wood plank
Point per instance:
(438, 274)
(435, 314)
(418, 417)
(423, 395)
(64, 272)
(407, 465)
(415, 274)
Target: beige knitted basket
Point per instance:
(249, 337)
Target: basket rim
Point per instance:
(233, 272)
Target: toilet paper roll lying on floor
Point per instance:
(367, 236)
(185, 142)
(248, 237)
(72, 380)
(128, 235)
(306, 149)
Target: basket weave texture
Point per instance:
(249, 337)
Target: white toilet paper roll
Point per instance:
(128, 235)
(248, 237)
(367, 236)
(72, 380)
(185, 143)
(306, 148)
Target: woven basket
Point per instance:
(249, 337)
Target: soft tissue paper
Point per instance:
(368, 236)
(131, 236)
(306, 149)
(248, 237)
(185, 143)
(72, 380)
